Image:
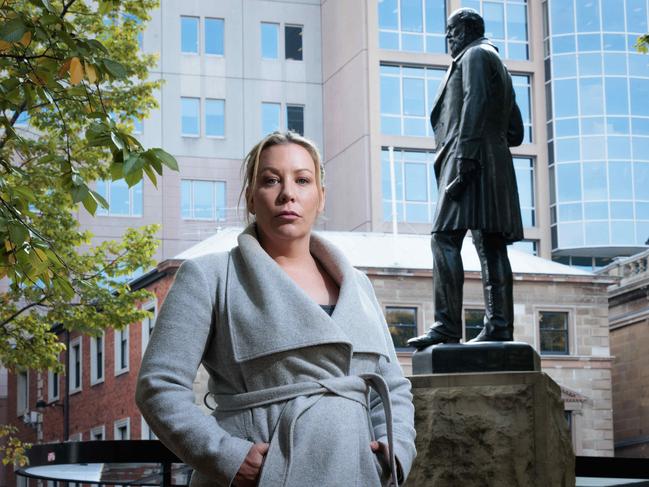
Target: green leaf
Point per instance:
(97, 45)
(90, 203)
(13, 30)
(49, 19)
(164, 157)
(116, 171)
(79, 192)
(152, 177)
(17, 233)
(115, 69)
(134, 177)
(132, 163)
(100, 199)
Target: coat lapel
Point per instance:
(449, 71)
(268, 313)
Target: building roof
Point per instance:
(386, 250)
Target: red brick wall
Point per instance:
(95, 405)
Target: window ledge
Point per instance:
(121, 372)
(97, 382)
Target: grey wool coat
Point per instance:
(281, 371)
(475, 116)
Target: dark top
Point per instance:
(328, 308)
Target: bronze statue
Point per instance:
(475, 119)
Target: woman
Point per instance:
(292, 337)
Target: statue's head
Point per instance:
(464, 26)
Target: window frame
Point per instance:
(569, 331)
(198, 35)
(198, 133)
(73, 363)
(131, 200)
(280, 123)
(22, 396)
(145, 431)
(216, 184)
(295, 105)
(405, 306)
(120, 423)
(118, 334)
(211, 54)
(301, 49)
(101, 429)
(94, 378)
(146, 329)
(210, 136)
(277, 38)
(52, 378)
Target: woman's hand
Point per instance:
(251, 466)
(383, 452)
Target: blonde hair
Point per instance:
(250, 166)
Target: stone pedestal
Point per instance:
(490, 429)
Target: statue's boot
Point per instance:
(497, 283)
(433, 336)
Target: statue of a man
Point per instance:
(475, 119)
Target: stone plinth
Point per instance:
(450, 358)
(490, 429)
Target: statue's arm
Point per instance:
(516, 130)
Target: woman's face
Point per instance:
(286, 199)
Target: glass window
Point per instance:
(564, 66)
(505, 25)
(293, 42)
(388, 15)
(591, 96)
(528, 246)
(565, 98)
(473, 323)
(639, 96)
(524, 168)
(622, 232)
(22, 120)
(641, 179)
(96, 359)
(642, 233)
(596, 233)
(617, 100)
(494, 19)
(638, 65)
(640, 126)
(517, 22)
(589, 42)
(214, 36)
(52, 386)
(415, 179)
(617, 125)
(593, 148)
(615, 42)
(407, 94)
(569, 182)
(618, 147)
(122, 200)
(22, 393)
(594, 175)
(621, 210)
(295, 118)
(522, 90)
(612, 16)
(190, 116)
(402, 323)
(563, 17)
(414, 183)
(203, 200)
(587, 16)
(595, 211)
(620, 178)
(567, 149)
(553, 332)
(269, 40)
(214, 117)
(570, 212)
(640, 148)
(590, 64)
(75, 365)
(563, 44)
(412, 25)
(121, 349)
(567, 127)
(189, 34)
(593, 126)
(636, 16)
(270, 114)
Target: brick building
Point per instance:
(561, 311)
(629, 330)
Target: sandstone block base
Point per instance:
(490, 429)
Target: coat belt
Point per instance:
(352, 387)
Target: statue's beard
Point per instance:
(458, 43)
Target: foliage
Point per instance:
(13, 450)
(642, 44)
(73, 72)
